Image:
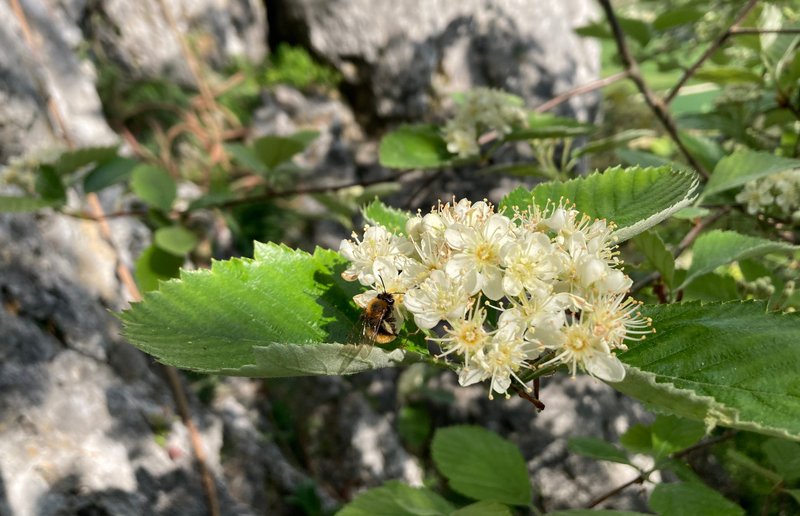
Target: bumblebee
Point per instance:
(377, 320)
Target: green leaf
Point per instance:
(635, 199)
(155, 265)
(677, 16)
(718, 247)
(680, 499)
(414, 425)
(154, 185)
(266, 316)
(70, 161)
(785, 457)
(653, 248)
(246, 157)
(176, 240)
(414, 146)
(794, 493)
(597, 449)
(49, 185)
(706, 151)
(616, 140)
(727, 75)
(637, 439)
(17, 204)
(391, 218)
(711, 287)
(745, 166)
(647, 159)
(594, 512)
(636, 29)
(516, 169)
(394, 497)
(731, 364)
(481, 465)
(274, 150)
(109, 173)
(671, 434)
(485, 508)
(545, 125)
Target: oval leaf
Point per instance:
(176, 240)
(483, 509)
(394, 497)
(731, 364)
(70, 161)
(744, 166)
(13, 203)
(154, 185)
(481, 465)
(414, 146)
(109, 173)
(634, 198)
(718, 247)
(681, 499)
(155, 265)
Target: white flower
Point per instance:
(438, 297)
(530, 264)
(377, 242)
(465, 336)
(615, 319)
(502, 358)
(478, 254)
(581, 347)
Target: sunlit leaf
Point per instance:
(394, 497)
(154, 185)
(414, 146)
(680, 499)
(744, 166)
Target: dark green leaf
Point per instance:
(71, 161)
(414, 425)
(391, 218)
(704, 150)
(394, 497)
(691, 213)
(481, 465)
(794, 493)
(681, 499)
(594, 512)
(637, 439)
(414, 146)
(653, 248)
(671, 434)
(274, 150)
(744, 166)
(635, 199)
(155, 265)
(647, 159)
(597, 449)
(718, 247)
(154, 185)
(49, 185)
(731, 364)
(176, 240)
(12, 203)
(109, 173)
(784, 457)
(484, 508)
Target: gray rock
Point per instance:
(401, 58)
(138, 37)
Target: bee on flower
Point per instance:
(549, 278)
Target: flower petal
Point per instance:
(605, 367)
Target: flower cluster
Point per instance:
(482, 110)
(548, 279)
(781, 190)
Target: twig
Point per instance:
(645, 474)
(124, 273)
(753, 30)
(580, 90)
(709, 51)
(655, 104)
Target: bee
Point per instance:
(378, 321)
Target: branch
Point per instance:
(655, 104)
(580, 90)
(709, 51)
(645, 474)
